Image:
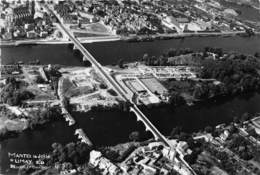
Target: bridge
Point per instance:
(133, 107)
(106, 76)
(121, 92)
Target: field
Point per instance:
(97, 27)
(154, 85)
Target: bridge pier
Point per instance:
(147, 128)
(86, 61)
(70, 45)
(74, 47)
(85, 58)
(76, 51)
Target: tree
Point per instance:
(208, 129)
(191, 158)
(236, 119)
(134, 136)
(172, 52)
(145, 57)
(112, 155)
(245, 117)
(176, 131)
(39, 80)
(176, 99)
(121, 63)
(112, 92)
(183, 136)
(102, 86)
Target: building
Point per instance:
(43, 34)
(97, 160)
(171, 22)
(31, 34)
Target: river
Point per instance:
(112, 127)
(109, 52)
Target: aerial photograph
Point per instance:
(130, 87)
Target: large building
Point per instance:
(23, 12)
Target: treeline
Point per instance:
(186, 56)
(238, 73)
(42, 116)
(121, 106)
(64, 158)
(163, 59)
(235, 73)
(13, 93)
(53, 75)
(69, 156)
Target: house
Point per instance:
(168, 153)
(28, 27)
(171, 23)
(97, 160)
(224, 135)
(43, 34)
(31, 34)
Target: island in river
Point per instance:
(175, 78)
(171, 79)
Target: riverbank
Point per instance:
(140, 38)
(13, 124)
(43, 41)
(202, 146)
(135, 38)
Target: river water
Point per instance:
(109, 52)
(112, 127)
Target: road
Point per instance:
(115, 85)
(98, 67)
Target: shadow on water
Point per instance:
(109, 127)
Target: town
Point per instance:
(79, 115)
(31, 22)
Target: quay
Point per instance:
(64, 111)
(82, 136)
(67, 116)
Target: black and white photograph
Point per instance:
(130, 87)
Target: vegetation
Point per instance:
(53, 75)
(42, 116)
(237, 72)
(112, 92)
(120, 152)
(134, 136)
(72, 154)
(65, 158)
(13, 94)
(70, 90)
(233, 73)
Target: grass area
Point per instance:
(71, 90)
(78, 34)
(153, 85)
(41, 95)
(179, 86)
(79, 91)
(16, 125)
(97, 27)
(12, 125)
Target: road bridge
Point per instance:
(111, 81)
(99, 68)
